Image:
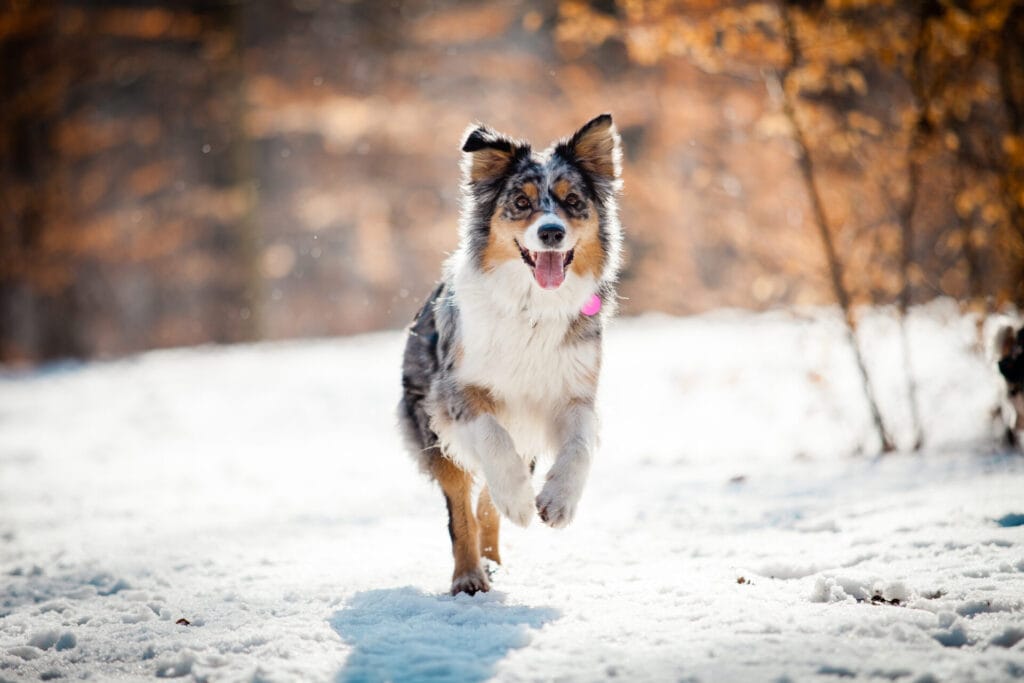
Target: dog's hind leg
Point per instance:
(457, 484)
(489, 520)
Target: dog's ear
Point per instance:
(595, 148)
(487, 155)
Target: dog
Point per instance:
(501, 363)
(1009, 354)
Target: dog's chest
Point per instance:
(524, 359)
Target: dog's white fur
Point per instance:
(512, 334)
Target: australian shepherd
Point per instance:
(501, 363)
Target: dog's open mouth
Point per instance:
(548, 266)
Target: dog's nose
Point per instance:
(551, 235)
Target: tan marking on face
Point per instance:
(588, 258)
(500, 245)
(562, 187)
(479, 400)
(531, 191)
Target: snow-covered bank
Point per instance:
(261, 493)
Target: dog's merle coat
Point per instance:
(500, 364)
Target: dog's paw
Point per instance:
(472, 582)
(516, 505)
(555, 506)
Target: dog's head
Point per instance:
(1009, 346)
(554, 211)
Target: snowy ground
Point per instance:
(736, 525)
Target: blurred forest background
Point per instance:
(182, 172)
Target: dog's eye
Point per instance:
(522, 203)
(573, 201)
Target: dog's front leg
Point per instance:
(576, 430)
(485, 444)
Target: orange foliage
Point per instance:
(269, 170)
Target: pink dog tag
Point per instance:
(593, 305)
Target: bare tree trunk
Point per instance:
(821, 220)
(32, 101)
(918, 138)
(1010, 62)
(248, 228)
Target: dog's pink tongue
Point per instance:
(549, 270)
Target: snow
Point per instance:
(262, 493)
(404, 634)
